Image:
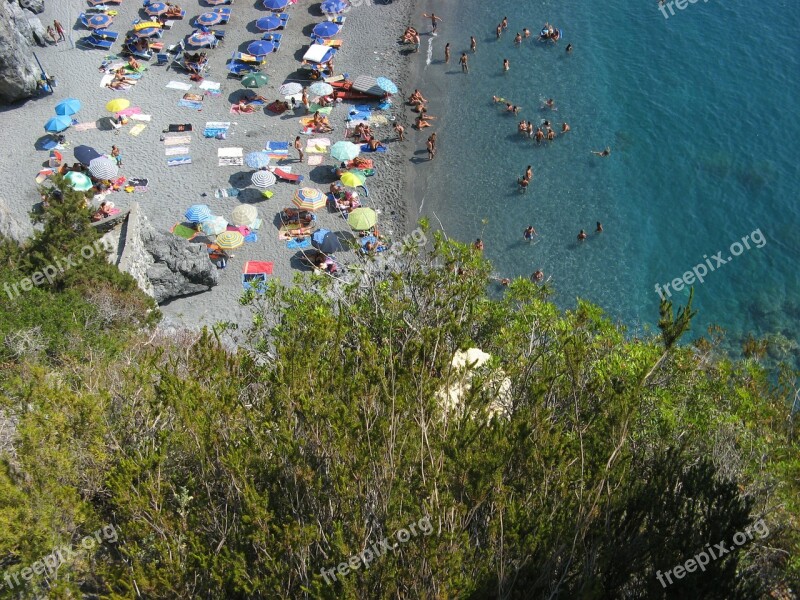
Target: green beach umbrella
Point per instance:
(362, 218)
(255, 80)
(345, 150)
(78, 181)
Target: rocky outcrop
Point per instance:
(19, 73)
(10, 227)
(35, 6)
(38, 32)
(165, 265)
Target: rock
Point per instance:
(35, 6)
(10, 227)
(19, 73)
(38, 33)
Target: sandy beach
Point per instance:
(369, 48)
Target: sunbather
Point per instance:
(374, 144)
(173, 12)
(119, 75)
(423, 118)
(243, 107)
(320, 123)
(253, 97)
(133, 63)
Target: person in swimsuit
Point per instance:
(464, 64)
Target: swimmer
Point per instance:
(518, 38)
(537, 275)
(499, 30)
(478, 245)
(604, 153)
(599, 227)
(526, 32)
(504, 23)
(523, 185)
(581, 235)
(569, 48)
(473, 44)
(464, 64)
(551, 135)
(564, 128)
(539, 134)
(529, 173)
(551, 104)
(529, 233)
(505, 281)
(447, 53)
(505, 64)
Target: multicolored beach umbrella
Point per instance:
(156, 9)
(57, 124)
(229, 240)
(244, 215)
(326, 30)
(362, 218)
(255, 80)
(309, 199)
(209, 18)
(345, 151)
(68, 106)
(386, 84)
(263, 179)
(275, 5)
(103, 167)
(260, 48)
(78, 181)
(290, 89)
(201, 39)
(256, 160)
(334, 7)
(270, 23)
(197, 213)
(99, 21)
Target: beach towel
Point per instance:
(176, 150)
(277, 107)
(299, 244)
(315, 160)
(230, 157)
(85, 126)
(277, 147)
(189, 104)
(365, 148)
(140, 117)
(245, 231)
(323, 110)
(257, 266)
(209, 85)
(251, 237)
(378, 120)
(193, 97)
(181, 160)
(183, 231)
(177, 140)
(256, 225)
(226, 193)
(318, 143)
(178, 128)
(137, 129)
(131, 110)
(106, 79)
(139, 184)
(250, 110)
(179, 85)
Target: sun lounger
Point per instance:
(292, 177)
(97, 2)
(131, 49)
(96, 43)
(275, 38)
(105, 34)
(225, 12)
(239, 69)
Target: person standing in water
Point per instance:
(431, 145)
(464, 63)
(599, 227)
(505, 65)
(499, 30)
(518, 39)
(529, 233)
(434, 21)
(473, 44)
(447, 53)
(581, 235)
(504, 23)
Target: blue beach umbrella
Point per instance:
(57, 124)
(326, 29)
(99, 22)
(275, 4)
(200, 39)
(147, 32)
(156, 9)
(68, 106)
(209, 18)
(256, 160)
(270, 23)
(260, 48)
(328, 242)
(85, 154)
(197, 213)
(387, 85)
(334, 7)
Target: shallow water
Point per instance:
(699, 110)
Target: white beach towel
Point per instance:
(176, 150)
(179, 85)
(209, 85)
(230, 157)
(106, 79)
(140, 117)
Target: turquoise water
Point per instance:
(700, 112)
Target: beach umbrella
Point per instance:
(197, 213)
(326, 29)
(309, 199)
(263, 179)
(68, 106)
(353, 178)
(228, 240)
(156, 9)
(345, 151)
(270, 23)
(260, 48)
(78, 181)
(100, 21)
(320, 88)
(334, 7)
(201, 38)
(244, 215)
(218, 2)
(214, 226)
(290, 89)
(362, 219)
(85, 154)
(386, 84)
(146, 32)
(275, 4)
(117, 105)
(103, 167)
(255, 80)
(256, 160)
(57, 124)
(209, 18)
(326, 241)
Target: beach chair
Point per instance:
(129, 48)
(272, 37)
(285, 176)
(162, 58)
(338, 20)
(96, 43)
(224, 12)
(219, 34)
(99, 2)
(105, 34)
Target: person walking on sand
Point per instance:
(52, 34)
(115, 154)
(400, 131)
(447, 53)
(433, 19)
(431, 148)
(473, 44)
(464, 63)
(60, 31)
(299, 147)
(305, 101)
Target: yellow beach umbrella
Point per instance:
(228, 240)
(353, 179)
(362, 219)
(118, 104)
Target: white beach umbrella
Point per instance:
(263, 179)
(103, 167)
(290, 89)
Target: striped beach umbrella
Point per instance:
(353, 178)
(256, 160)
(209, 18)
(275, 5)
(334, 7)
(99, 21)
(214, 226)
(362, 218)
(345, 151)
(156, 9)
(290, 89)
(260, 48)
(326, 29)
(78, 181)
(386, 84)
(244, 215)
(320, 88)
(57, 124)
(228, 240)
(103, 167)
(263, 179)
(197, 213)
(309, 199)
(68, 106)
(270, 23)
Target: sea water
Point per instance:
(700, 112)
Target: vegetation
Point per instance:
(605, 461)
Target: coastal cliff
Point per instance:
(20, 29)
